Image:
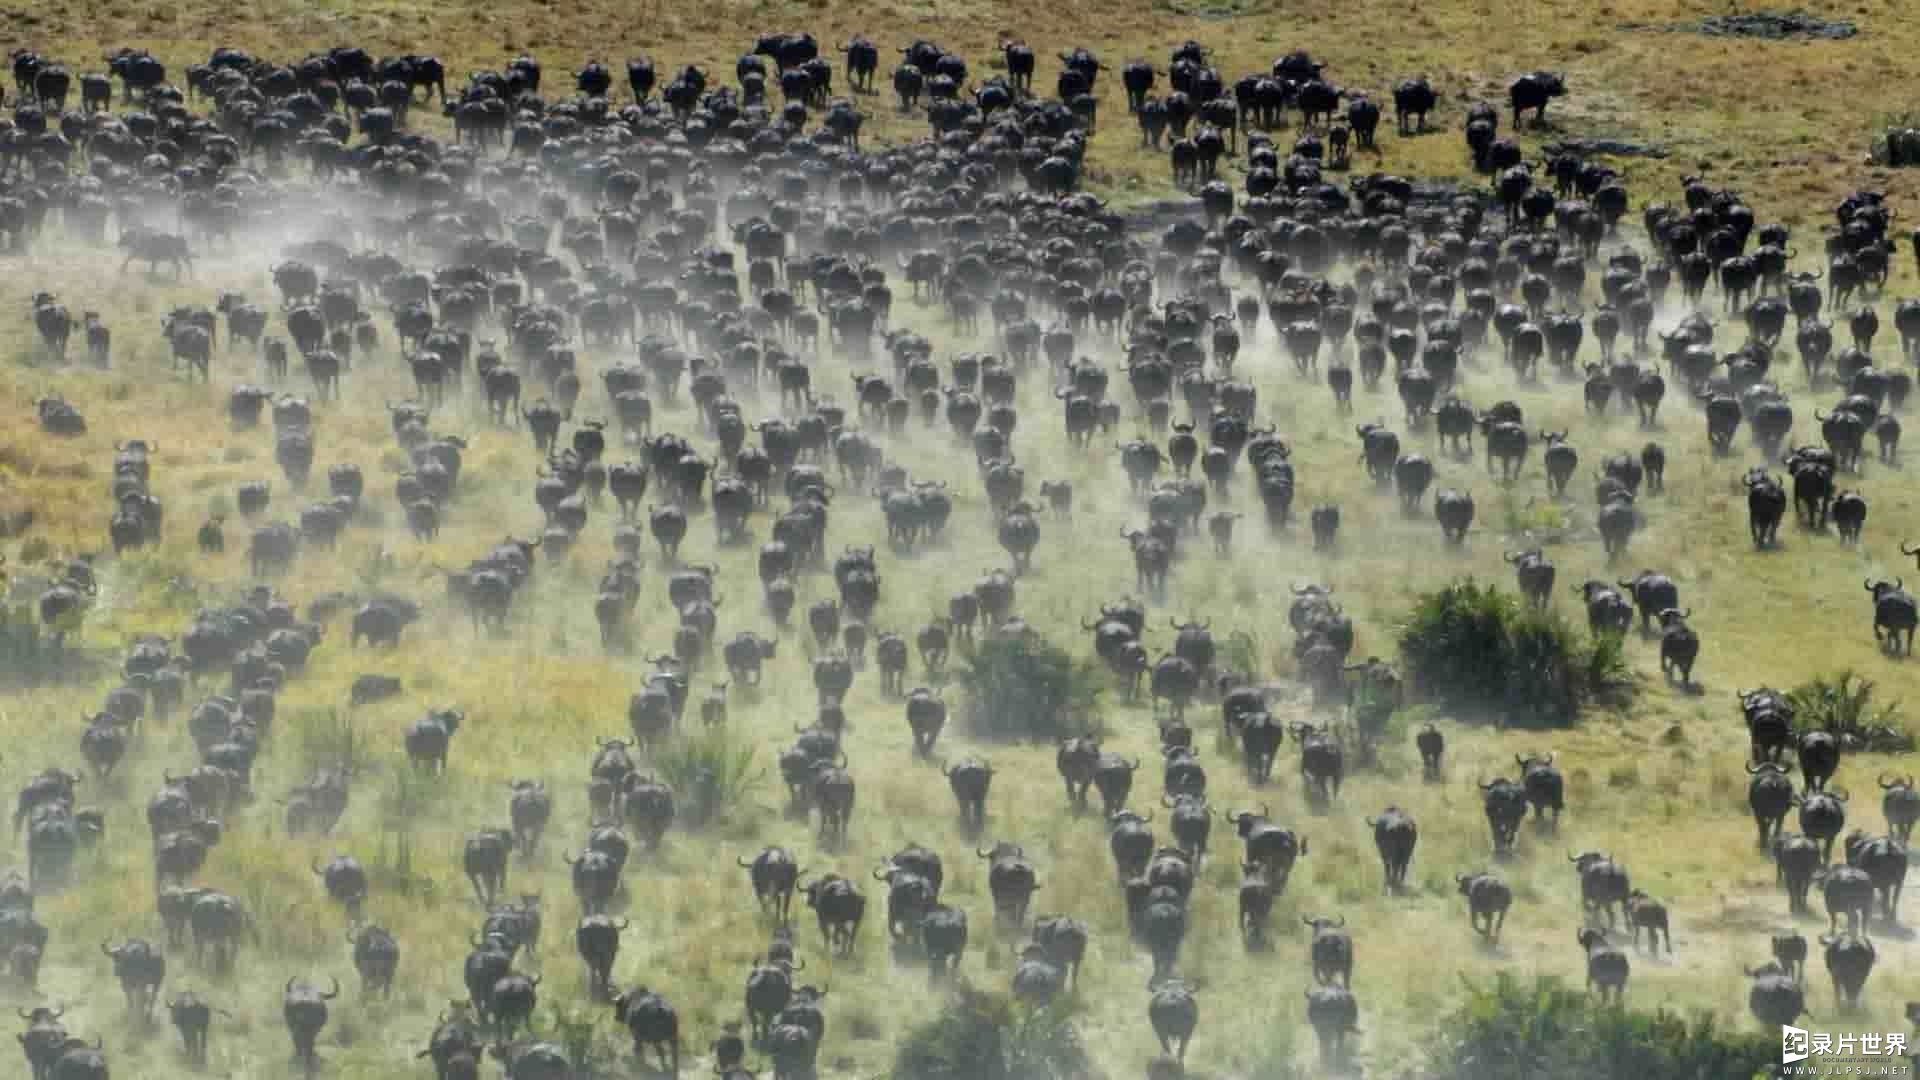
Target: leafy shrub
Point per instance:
(1025, 687)
(1542, 684)
(981, 1036)
(376, 568)
(1475, 649)
(1545, 1030)
(1843, 704)
(1603, 667)
(1455, 644)
(710, 772)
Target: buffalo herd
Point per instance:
(676, 251)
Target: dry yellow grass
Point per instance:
(1788, 121)
(1660, 786)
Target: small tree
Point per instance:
(1021, 686)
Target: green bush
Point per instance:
(1025, 687)
(709, 772)
(1843, 704)
(981, 1036)
(1603, 666)
(1545, 1030)
(1476, 650)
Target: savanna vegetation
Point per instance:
(1654, 768)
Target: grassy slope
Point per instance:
(1784, 119)
(1661, 788)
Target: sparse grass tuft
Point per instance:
(711, 772)
(407, 799)
(1274, 1057)
(327, 738)
(393, 868)
(574, 1029)
(409, 794)
(1241, 651)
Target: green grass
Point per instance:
(1658, 784)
